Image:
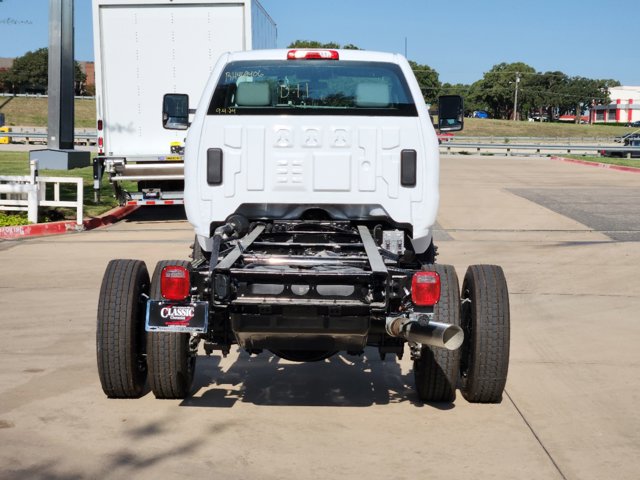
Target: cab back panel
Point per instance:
(309, 161)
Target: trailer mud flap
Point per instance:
(164, 316)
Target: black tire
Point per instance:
(485, 320)
(171, 364)
(120, 334)
(436, 372)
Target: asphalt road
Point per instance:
(567, 237)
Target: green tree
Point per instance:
(316, 44)
(29, 73)
(429, 81)
(497, 88)
(313, 44)
(547, 93)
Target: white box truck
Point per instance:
(145, 49)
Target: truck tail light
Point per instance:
(174, 282)
(425, 288)
(313, 55)
(100, 138)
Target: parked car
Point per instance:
(635, 124)
(625, 139)
(480, 114)
(633, 152)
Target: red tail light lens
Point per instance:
(313, 55)
(99, 125)
(425, 288)
(174, 283)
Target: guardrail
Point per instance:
(537, 140)
(529, 149)
(41, 137)
(43, 95)
(451, 146)
(29, 192)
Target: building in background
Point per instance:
(88, 68)
(624, 106)
(5, 64)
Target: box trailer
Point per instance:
(145, 49)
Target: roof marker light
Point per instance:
(313, 55)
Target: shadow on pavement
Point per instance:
(160, 213)
(342, 380)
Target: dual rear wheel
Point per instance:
(480, 366)
(127, 355)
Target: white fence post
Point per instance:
(80, 199)
(32, 195)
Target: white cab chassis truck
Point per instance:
(311, 180)
(144, 50)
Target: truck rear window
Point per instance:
(312, 87)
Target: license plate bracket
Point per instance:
(168, 316)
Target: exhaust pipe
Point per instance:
(419, 329)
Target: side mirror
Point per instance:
(450, 113)
(175, 111)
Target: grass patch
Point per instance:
(479, 127)
(623, 162)
(32, 111)
(17, 163)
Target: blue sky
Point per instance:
(461, 39)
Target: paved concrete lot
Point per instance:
(570, 411)
(610, 209)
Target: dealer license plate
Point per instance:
(167, 316)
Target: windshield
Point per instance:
(312, 87)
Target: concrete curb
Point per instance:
(57, 228)
(619, 168)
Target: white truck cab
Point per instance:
(284, 134)
(311, 179)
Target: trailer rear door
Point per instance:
(149, 50)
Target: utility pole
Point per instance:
(61, 75)
(515, 100)
(60, 154)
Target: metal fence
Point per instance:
(479, 145)
(32, 137)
